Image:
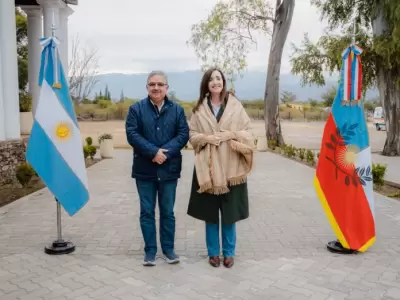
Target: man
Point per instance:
(157, 130)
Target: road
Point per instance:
(300, 134)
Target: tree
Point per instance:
(378, 34)
(107, 94)
(225, 38)
(122, 97)
(287, 97)
(329, 96)
(83, 70)
(22, 48)
(313, 103)
(369, 106)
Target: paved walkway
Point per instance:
(281, 249)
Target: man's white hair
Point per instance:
(159, 73)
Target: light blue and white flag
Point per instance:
(55, 146)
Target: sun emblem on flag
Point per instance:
(347, 155)
(63, 131)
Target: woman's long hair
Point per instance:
(204, 91)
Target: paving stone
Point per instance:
(281, 250)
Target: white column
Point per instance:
(63, 36)
(9, 69)
(51, 15)
(2, 124)
(35, 33)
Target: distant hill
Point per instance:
(186, 85)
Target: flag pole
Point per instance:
(59, 246)
(335, 246)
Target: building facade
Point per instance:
(41, 15)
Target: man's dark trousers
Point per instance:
(166, 191)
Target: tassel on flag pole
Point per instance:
(343, 179)
(55, 147)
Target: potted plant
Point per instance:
(106, 145)
(25, 112)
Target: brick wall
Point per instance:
(12, 153)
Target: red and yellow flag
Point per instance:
(343, 179)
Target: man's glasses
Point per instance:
(153, 84)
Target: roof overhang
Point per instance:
(33, 2)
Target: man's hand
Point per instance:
(160, 156)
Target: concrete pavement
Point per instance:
(281, 250)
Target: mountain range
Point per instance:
(186, 86)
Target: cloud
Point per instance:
(135, 36)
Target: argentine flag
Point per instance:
(55, 147)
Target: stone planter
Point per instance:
(107, 148)
(262, 144)
(26, 122)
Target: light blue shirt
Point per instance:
(216, 109)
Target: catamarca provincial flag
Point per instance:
(55, 146)
(343, 178)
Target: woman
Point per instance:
(223, 145)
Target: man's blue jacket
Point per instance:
(148, 130)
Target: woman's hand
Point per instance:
(225, 135)
(213, 140)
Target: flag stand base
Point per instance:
(59, 246)
(336, 247)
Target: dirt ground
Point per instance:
(299, 134)
(14, 191)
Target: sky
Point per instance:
(136, 36)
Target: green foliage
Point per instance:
(378, 174)
(272, 144)
(89, 150)
(24, 173)
(89, 141)
(302, 153)
(329, 96)
(369, 105)
(310, 156)
(105, 136)
(25, 102)
(225, 37)
(104, 103)
(313, 103)
(290, 150)
(86, 151)
(311, 60)
(22, 48)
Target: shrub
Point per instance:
(89, 141)
(105, 136)
(378, 174)
(272, 144)
(86, 151)
(310, 156)
(290, 151)
(25, 102)
(92, 151)
(301, 153)
(104, 104)
(24, 173)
